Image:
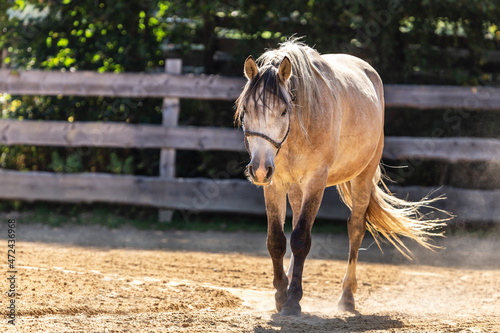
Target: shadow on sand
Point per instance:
(311, 323)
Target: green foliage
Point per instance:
(80, 35)
(71, 164)
(432, 41)
(117, 165)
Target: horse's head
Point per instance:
(264, 109)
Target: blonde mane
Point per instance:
(307, 83)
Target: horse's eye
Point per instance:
(284, 113)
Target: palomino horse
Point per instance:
(312, 121)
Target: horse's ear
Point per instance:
(285, 69)
(250, 69)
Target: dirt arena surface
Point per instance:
(93, 279)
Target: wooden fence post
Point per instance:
(170, 114)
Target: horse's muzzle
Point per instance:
(262, 174)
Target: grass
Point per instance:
(115, 216)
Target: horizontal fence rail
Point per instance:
(118, 135)
(121, 135)
(195, 194)
(443, 149)
(86, 83)
(442, 97)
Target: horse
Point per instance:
(311, 121)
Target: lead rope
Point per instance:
(366, 248)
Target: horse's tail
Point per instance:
(391, 217)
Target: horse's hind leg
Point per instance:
(361, 188)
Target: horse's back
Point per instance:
(352, 72)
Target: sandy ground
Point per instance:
(93, 279)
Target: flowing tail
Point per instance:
(391, 217)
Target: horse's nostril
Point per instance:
(250, 171)
(270, 171)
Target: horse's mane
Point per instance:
(308, 81)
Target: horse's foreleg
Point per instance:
(276, 240)
(295, 199)
(300, 243)
(356, 225)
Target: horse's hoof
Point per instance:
(280, 299)
(291, 311)
(346, 302)
(347, 307)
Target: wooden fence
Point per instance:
(221, 195)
